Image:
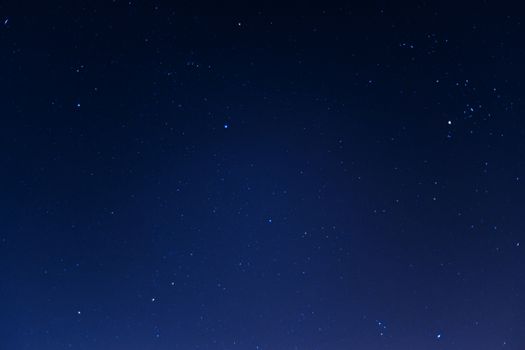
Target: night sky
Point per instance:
(262, 176)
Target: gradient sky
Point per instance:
(261, 176)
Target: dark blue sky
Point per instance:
(263, 176)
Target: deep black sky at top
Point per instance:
(266, 177)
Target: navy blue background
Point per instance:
(261, 176)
